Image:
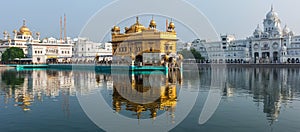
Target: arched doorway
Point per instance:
(293, 60)
(139, 59)
(256, 57)
(275, 57)
(265, 55)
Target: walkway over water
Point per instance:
(28, 66)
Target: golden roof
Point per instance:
(115, 29)
(24, 30)
(172, 25)
(152, 23)
(137, 27)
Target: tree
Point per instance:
(192, 54)
(12, 78)
(12, 53)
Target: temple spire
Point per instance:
(272, 9)
(137, 19)
(24, 22)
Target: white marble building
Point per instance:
(272, 44)
(36, 50)
(49, 50)
(86, 50)
(19, 39)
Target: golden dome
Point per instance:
(24, 30)
(137, 27)
(172, 25)
(115, 29)
(152, 24)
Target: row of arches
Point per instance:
(224, 61)
(293, 60)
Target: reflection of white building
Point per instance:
(272, 44)
(50, 83)
(87, 50)
(90, 82)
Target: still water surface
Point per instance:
(253, 99)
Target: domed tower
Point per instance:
(152, 24)
(171, 27)
(115, 30)
(272, 24)
(287, 32)
(24, 30)
(137, 27)
(258, 32)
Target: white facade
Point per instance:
(19, 39)
(228, 50)
(272, 44)
(39, 51)
(86, 50)
(49, 50)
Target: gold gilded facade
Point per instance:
(144, 99)
(138, 40)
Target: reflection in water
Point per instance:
(273, 87)
(26, 87)
(146, 94)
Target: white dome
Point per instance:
(286, 30)
(258, 30)
(291, 33)
(272, 14)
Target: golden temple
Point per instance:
(138, 41)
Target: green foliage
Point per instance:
(12, 78)
(192, 54)
(12, 53)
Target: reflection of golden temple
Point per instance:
(146, 46)
(24, 102)
(162, 95)
(23, 98)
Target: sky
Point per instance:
(238, 17)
